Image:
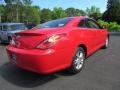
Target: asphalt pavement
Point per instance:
(101, 72)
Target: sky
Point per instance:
(80, 4)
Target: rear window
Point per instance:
(17, 27)
(54, 23)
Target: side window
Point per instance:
(82, 24)
(5, 27)
(92, 24)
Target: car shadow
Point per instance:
(27, 79)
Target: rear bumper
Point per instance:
(40, 61)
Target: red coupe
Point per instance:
(57, 45)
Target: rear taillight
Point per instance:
(50, 42)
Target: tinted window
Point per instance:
(54, 23)
(17, 27)
(82, 24)
(92, 24)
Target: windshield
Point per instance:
(54, 23)
(17, 27)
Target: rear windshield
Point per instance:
(54, 23)
(17, 27)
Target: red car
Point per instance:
(57, 45)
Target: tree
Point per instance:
(12, 6)
(80, 12)
(113, 11)
(27, 2)
(1, 12)
(21, 11)
(58, 13)
(9, 15)
(74, 12)
(94, 12)
(46, 15)
(30, 14)
(71, 11)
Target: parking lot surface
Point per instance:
(101, 72)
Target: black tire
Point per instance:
(106, 43)
(73, 68)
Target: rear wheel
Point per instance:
(78, 61)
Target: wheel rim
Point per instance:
(106, 42)
(79, 60)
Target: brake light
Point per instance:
(51, 41)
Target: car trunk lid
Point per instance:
(31, 38)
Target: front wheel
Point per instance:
(78, 61)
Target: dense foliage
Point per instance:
(112, 14)
(94, 12)
(111, 26)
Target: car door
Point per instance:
(99, 32)
(88, 34)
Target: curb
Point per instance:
(115, 33)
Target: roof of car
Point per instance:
(79, 17)
(10, 23)
(75, 17)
